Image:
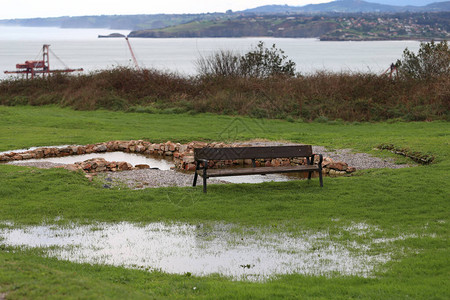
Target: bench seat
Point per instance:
(260, 170)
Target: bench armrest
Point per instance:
(204, 162)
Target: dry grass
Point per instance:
(321, 96)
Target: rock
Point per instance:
(285, 163)
(340, 166)
(100, 148)
(26, 156)
(351, 169)
(122, 146)
(332, 172)
(72, 167)
(47, 152)
(140, 149)
(188, 159)
(89, 149)
(190, 167)
(4, 158)
(142, 166)
(183, 148)
(197, 144)
(81, 150)
(65, 150)
(39, 153)
(123, 166)
(86, 166)
(248, 162)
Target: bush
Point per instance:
(221, 63)
(264, 62)
(431, 61)
(261, 62)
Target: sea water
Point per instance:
(81, 48)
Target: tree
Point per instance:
(264, 62)
(431, 61)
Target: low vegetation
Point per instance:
(259, 84)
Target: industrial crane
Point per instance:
(33, 67)
(132, 54)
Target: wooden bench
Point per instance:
(203, 155)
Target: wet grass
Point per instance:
(412, 201)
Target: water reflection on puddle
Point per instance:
(132, 158)
(263, 178)
(197, 249)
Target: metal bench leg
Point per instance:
(309, 162)
(196, 175)
(320, 178)
(204, 184)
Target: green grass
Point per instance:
(412, 201)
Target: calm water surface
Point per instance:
(81, 48)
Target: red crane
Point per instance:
(32, 67)
(132, 54)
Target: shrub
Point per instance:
(261, 62)
(264, 62)
(221, 63)
(431, 61)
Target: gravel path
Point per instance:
(138, 179)
(360, 161)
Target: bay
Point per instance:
(81, 48)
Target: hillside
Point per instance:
(327, 27)
(157, 21)
(131, 22)
(277, 26)
(351, 6)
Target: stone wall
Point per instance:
(182, 155)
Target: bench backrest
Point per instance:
(252, 152)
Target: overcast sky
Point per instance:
(11, 9)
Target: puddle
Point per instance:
(263, 178)
(132, 158)
(199, 250)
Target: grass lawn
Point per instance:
(411, 202)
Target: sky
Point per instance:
(12, 9)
